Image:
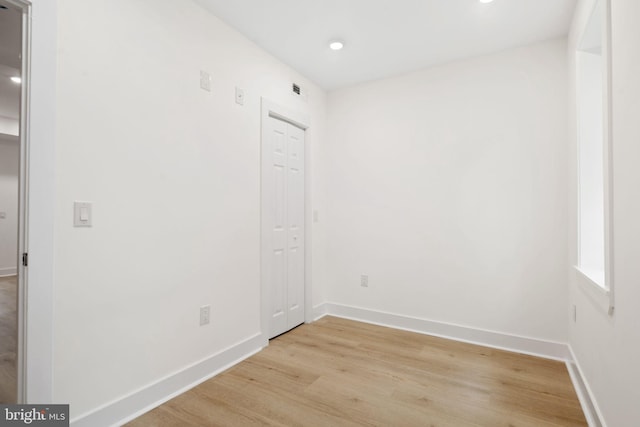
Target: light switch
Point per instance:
(82, 214)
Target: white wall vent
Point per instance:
(298, 92)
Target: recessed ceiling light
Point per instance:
(486, 1)
(336, 45)
(17, 80)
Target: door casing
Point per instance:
(23, 200)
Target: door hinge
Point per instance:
(25, 259)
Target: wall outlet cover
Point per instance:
(205, 315)
(364, 281)
(205, 81)
(239, 96)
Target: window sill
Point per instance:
(595, 278)
(591, 283)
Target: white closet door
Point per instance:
(283, 224)
(295, 226)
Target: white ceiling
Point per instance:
(10, 41)
(387, 37)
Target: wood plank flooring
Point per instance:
(337, 372)
(8, 338)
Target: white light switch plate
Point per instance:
(82, 214)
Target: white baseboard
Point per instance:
(137, 403)
(589, 404)
(519, 344)
(319, 311)
(8, 271)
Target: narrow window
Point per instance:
(591, 66)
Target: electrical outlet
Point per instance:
(205, 81)
(575, 314)
(364, 281)
(239, 96)
(205, 315)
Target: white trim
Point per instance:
(308, 229)
(126, 408)
(608, 163)
(319, 311)
(585, 396)
(589, 278)
(8, 271)
(24, 135)
(515, 343)
(594, 292)
(296, 118)
(301, 120)
(38, 320)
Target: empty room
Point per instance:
(320, 212)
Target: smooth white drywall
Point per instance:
(9, 162)
(447, 187)
(607, 348)
(9, 126)
(173, 172)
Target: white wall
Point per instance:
(9, 163)
(607, 348)
(174, 175)
(9, 126)
(447, 187)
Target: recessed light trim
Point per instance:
(486, 1)
(17, 80)
(336, 45)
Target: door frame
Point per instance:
(23, 200)
(270, 109)
(37, 198)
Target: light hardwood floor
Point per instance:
(8, 338)
(337, 372)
